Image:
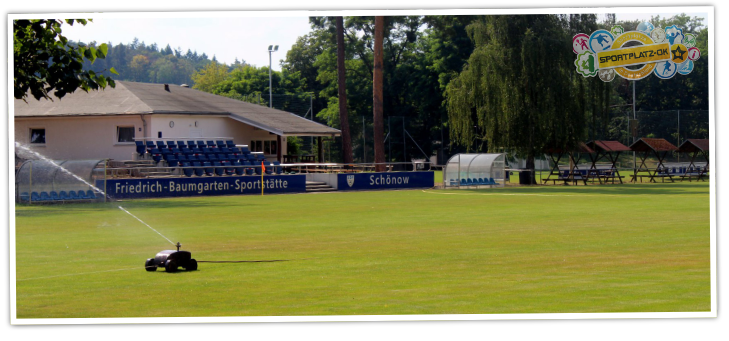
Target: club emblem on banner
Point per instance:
(350, 180)
(661, 52)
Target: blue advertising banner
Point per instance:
(180, 187)
(360, 181)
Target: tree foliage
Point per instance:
(519, 89)
(45, 62)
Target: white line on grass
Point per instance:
(76, 274)
(554, 195)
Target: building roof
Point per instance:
(609, 146)
(647, 144)
(694, 145)
(130, 98)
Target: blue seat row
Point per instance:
(59, 196)
(147, 147)
(220, 168)
(477, 182)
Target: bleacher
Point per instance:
(473, 182)
(206, 157)
(61, 196)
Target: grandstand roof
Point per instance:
(694, 145)
(608, 146)
(647, 144)
(130, 98)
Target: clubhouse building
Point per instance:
(106, 123)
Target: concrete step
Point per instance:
(320, 189)
(318, 186)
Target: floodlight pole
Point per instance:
(271, 50)
(634, 118)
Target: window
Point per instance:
(259, 146)
(124, 134)
(274, 147)
(267, 147)
(38, 136)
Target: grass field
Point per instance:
(541, 249)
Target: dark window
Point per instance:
(267, 147)
(38, 136)
(125, 134)
(259, 146)
(274, 147)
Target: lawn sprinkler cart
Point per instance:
(170, 260)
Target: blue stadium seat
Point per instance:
(201, 144)
(24, 196)
(212, 158)
(172, 161)
(277, 167)
(161, 144)
(156, 154)
(219, 170)
(257, 169)
(463, 182)
(249, 171)
(171, 144)
(220, 144)
(245, 150)
(202, 158)
(34, 196)
(269, 168)
(238, 170)
(210, 143)
(186, 151)
(209, 170)
(224, 150)
(150, 145)
(182, 158)
(228, 170)
(187, 171)
(492, 181)
(141, 149)
(54, 195)
(199, 171)
(62, 195)
(191, 144)
(181, 144)
(44, 196)
(72, 195)
(91, 195)
(235, 150)
(229, 144)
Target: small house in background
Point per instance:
(106, 123)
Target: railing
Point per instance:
(286, 168)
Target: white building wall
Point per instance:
(77, 138)
(95, 137)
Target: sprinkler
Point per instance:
(170, 260)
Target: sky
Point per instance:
(226, 35)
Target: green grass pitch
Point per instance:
(539, 249)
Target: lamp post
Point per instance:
(271, 49)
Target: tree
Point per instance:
(378, 124)
(519, 89)
(210, 76)
(138, 67)
(341, 71)
(44, 61)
